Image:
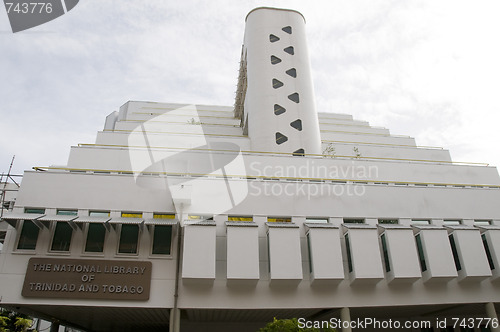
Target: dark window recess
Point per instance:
(353, 221)
(162, 239)
(309, 252)
(38, 211)
(62, 237)
(287, 29)
(421, 255)
(280, 138)
(299, 153)
(388, 221)
(488, 253)
(386, 253)
(278, 109)
(289, 50)
(277, 83)
(268, 254)
(273, 38)
(294, 97)
(129, 237)
(297, 124)
(292, 72)
(29, 236)
(455, 252)
(95, 238)
(348, 250)
(275, 59)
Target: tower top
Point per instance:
(273, 8)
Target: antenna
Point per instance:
(5, 185)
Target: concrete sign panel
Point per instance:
(87, 279)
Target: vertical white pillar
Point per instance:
(345, 316)
(491, 313)
(175, 320)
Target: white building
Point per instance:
(209, 218)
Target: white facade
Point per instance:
(239, 229)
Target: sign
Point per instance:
(87, 279)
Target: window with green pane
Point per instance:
(28, 236)
(34, 210)
(162, 239)
(67, 212)
(62, 237)
(95, 238)
(129, 237)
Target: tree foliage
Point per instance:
(14, 322)
(290, 325)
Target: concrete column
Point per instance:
(491, 313)
(345, 316)
(175, 320)
(54, 327)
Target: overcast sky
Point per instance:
(429, 69)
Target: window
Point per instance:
(275, 60)
(200, 217)
(421, 255)
(96, 234)
(99, 213)
(280, 138)
(131, 215)
(292, 72)
(353, 221)
(420, 222)
(163, 216)
(299, 153)
(294, 97)
(67, 212)
(386, 253)
(488, 253)
(278, 109)
(455, 252)
(317, 220)
(289, 50)
(34, 210)
(239, 218)
(62, 237)
(29, 236)
(482, 222)
(278, 219)
(297, 124)
(277, 83)
(452, 222)
(162, 239)
(129, 238)
(348, 251)
(388, 221)
(273, 38)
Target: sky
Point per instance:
(429, 69)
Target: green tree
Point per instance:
(11, 321)
(22, 324)
(290, 325)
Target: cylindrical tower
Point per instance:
(278, 107)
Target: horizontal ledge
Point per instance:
(242, 223)
(281, 225)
